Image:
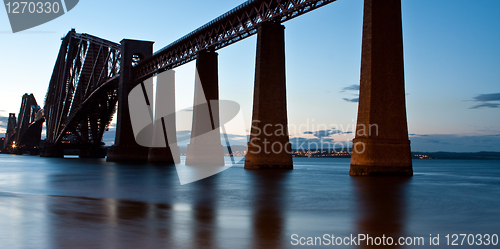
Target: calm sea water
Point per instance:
(76, 203)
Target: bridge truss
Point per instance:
(82, 94)
(23, 135)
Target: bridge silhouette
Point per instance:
(93, 77)
(23, 135)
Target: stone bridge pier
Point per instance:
(126, 148)
(381, 145)
(269, 146)
(205, 147)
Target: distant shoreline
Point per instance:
(482, 155)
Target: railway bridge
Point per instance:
(93, 78)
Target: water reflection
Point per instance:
(204, 221)
(144, 206)
(65, 203)
(381, 204)
(116, 221)
(268, 208)
(176, 216)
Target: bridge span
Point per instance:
(24, 133)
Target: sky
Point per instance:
(451, 54)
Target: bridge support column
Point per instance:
(126, 148)
(381, 145)
(9, 145)
(269, 146)
(205, 147)
(164, 134)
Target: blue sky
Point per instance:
(451, 63)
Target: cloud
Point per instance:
(323, 139)
(297, 140)
(3, 122)
(350, 88)
(417, 135)
(488, 105)
(326, 133)
(486, 98)
(323, 133)
(355, 100)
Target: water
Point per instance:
(76, 203)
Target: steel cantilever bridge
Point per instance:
(83, 90)
(82, 94)
(91, 75)
(23, 135)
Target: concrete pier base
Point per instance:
(381, 145)
(126, 148)
(96, 152)
(269, 146)
(381, 158)
(51, 151)
(127, 154)
(205, 146)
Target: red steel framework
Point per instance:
(233, 26)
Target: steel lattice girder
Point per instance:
(27, 117)
(235, 25)
(86, 65)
